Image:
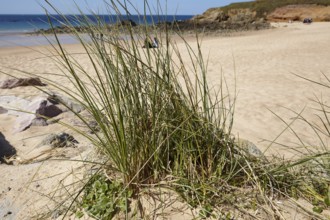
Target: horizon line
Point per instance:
(108, 14)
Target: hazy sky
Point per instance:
(186, 7)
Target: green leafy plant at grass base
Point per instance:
(104, 198)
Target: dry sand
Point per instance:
(260, 66)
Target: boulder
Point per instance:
(59, 140)
(39, 108)
(13, 104)
(17, 82)
(6, 150)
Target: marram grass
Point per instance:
(159, 124)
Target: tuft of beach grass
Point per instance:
(162, 130)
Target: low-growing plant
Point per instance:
(101, 198)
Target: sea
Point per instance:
(15, 29)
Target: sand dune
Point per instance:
(259, 66)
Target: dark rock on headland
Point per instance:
(63, 30)
(17, 82)
(128, 22)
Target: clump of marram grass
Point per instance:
(159, 124)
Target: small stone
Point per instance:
(70, 104)
(250, 148)
(8, 213)
(59, 140)
(3, 110)
(56, 214)
(39, 122)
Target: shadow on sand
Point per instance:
(6, 150)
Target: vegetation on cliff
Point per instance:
(262, 8)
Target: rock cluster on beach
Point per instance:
(39, 111)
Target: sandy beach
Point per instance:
(260, 70)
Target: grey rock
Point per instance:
(17, 82)
(3, 110)
(59, 140)
(250, 148)
(13, 104)
(56, 214)
(67, 102)
(38, 108)
(39, 122)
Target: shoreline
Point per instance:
(13, 40)
(32, 39)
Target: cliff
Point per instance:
(299, 12)
(269, 10)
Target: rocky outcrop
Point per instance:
(255, 16)
(211, 15)
(17, 82)
(63, 30)
(235, 19)
(36, 113)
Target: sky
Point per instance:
(179, 7)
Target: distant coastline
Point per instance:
(15, 30)
(15, 24)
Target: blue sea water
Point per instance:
(13, 28)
